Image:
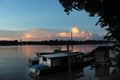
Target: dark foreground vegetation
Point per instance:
(107, 11)
(53, 42)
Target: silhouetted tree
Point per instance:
(108, 12)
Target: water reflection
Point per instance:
(14, 64)
(30, 50)
(62, 75)
(105, 72)
(101, 72)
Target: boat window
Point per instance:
(79, 56)
(44, 59)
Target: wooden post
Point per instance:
(69, 65)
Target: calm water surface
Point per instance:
(14, 63)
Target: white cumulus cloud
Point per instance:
(46, 34)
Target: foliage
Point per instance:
(108, 12)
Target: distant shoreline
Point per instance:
(53, 42)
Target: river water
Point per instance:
(14, 63)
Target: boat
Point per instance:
(35, 60)
(45, 63)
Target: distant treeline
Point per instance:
(54, 42)
(5, 42)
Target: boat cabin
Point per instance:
(60, 59)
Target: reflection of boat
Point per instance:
(76, 73)
(51, 62)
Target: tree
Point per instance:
(108, 12)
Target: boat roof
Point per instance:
(104, 48)
(59, 55)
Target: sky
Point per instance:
(44, 20)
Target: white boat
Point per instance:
(52, 62)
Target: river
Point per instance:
(14, 63)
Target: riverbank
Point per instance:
(53, 42)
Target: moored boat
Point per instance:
(53, 62)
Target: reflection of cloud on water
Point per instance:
(83, 48)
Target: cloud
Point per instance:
(47, 34)
(75, 30)
(10, 35)
(77, 34)
(38, 34)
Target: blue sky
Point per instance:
(21, 15)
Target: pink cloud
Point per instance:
(46, 34)
(77, 34)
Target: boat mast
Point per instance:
(71, 43)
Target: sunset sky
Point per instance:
(44, 19)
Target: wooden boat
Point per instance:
(46, 63)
